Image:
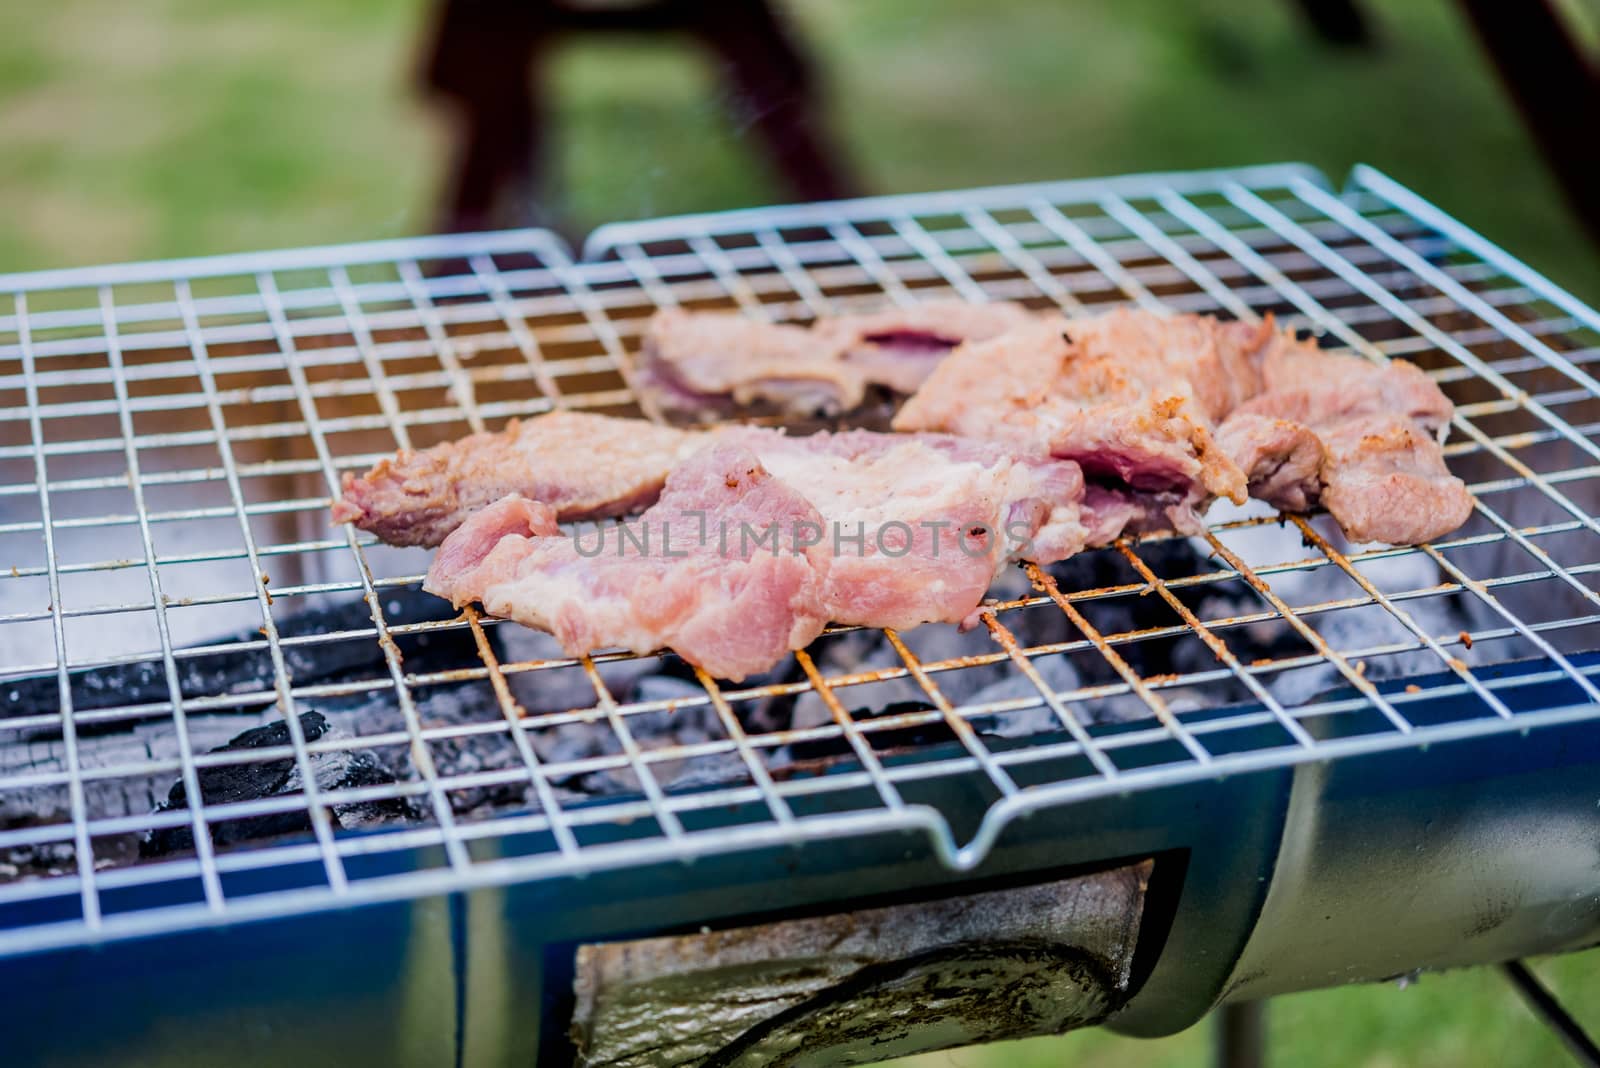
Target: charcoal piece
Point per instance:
(251, 670)
(924, 734)
(1059, 676)
(694, 722)
(428, 651)
(564, 689)
(444, 706)
(1170, 560)
(36, 860)
(777, 711)
(244, 782)
(689, 720)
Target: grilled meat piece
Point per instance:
(704, 365)
(1166, 413)
(899, 347)
(1384, 479)
(1130, 397)
(580, 465)
(1281, 458)
(730, 606)
(592, 466)
(710, 364)
(920, 524)
(1305, 383)
(1162, 415)
(1376, 464)
(878, 530)
(1214, 364)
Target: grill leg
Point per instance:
(1550, 1013)
(1240, 1035)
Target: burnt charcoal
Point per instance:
(442, 706)
(1059, 673)
(897, 738)
(563, 690)
(1170, 560)
(904, 737)
(251, 670)
(694, 722)
(37, 859)
(776, 713)
(435, 650)
(245, 782)
(559, 691)
(1342, 630)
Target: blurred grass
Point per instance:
(179, 127)
(183, 127)
(1453, 1020)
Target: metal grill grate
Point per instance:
(172, 432)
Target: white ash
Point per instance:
(1346, 631)
(441, 706)
(645, 680)
(1059, 676)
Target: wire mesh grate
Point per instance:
(170, 434)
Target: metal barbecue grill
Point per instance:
(226, 724)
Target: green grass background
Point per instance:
(181, 127)
(178, 127)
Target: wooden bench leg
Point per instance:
(774, 93)
(1556, 88)
(479, 59)
(483, 59)
(1339, 22)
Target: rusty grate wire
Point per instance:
(172, 432)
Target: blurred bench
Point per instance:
(1555, 84)
(487, 59)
